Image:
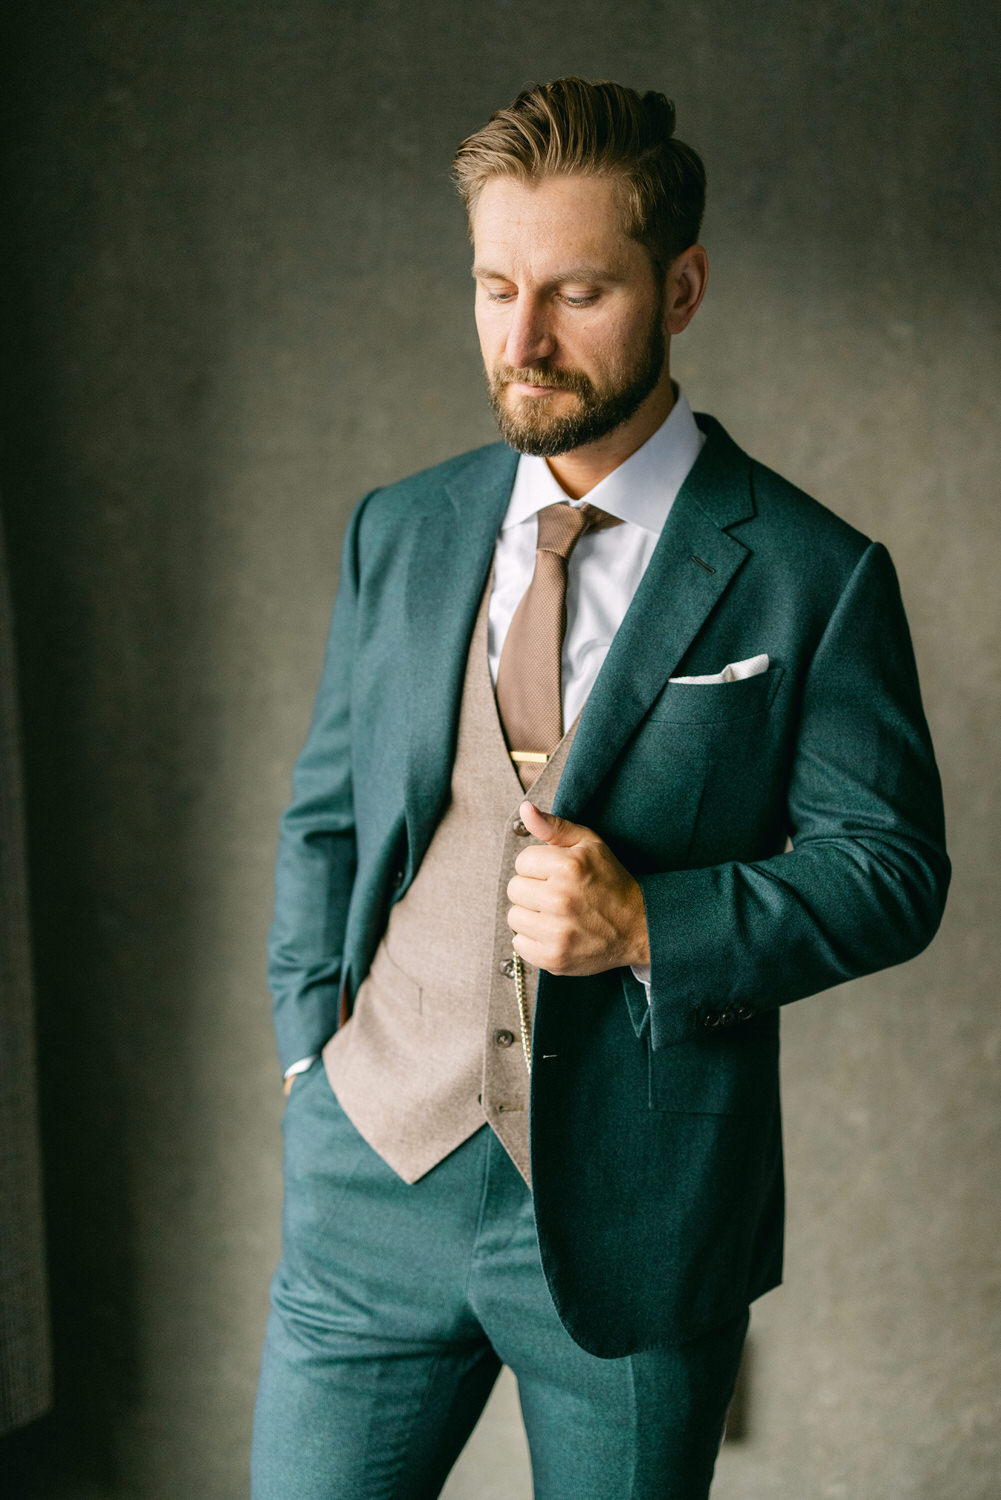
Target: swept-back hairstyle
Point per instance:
(573, 125)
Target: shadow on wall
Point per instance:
(104, 491)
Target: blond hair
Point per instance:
(573, 125)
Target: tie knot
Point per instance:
(562, 525)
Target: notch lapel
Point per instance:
(675, 596)
(450, 560)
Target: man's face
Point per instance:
(569, 311)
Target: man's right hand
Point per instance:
(289, 1082)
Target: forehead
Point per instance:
(568, 220)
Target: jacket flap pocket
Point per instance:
(717, 1075)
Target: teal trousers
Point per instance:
(394, 1306)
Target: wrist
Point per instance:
(641, 935)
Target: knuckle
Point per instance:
(561, 949)
(562, 903)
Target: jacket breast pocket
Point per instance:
(728, 1074)
(716, 702)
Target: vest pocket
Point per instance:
(387, 977)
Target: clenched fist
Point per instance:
(574, 908)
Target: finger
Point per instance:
(533, 894)
(553, 830)
(531, 951)
(540, 861)
(530, 924)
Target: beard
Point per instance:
(599, 410)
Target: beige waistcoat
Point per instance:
(433, 1046)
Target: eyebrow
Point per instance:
(573, 273)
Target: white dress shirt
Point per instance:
(605, 567)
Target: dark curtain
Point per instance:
(25, 1361)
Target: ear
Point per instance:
(687, 276)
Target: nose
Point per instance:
(529, 336)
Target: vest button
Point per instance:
(507, 968)
(397, 879)
(504, 1038)
(520, 829)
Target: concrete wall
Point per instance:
(237, 297)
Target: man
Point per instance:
(533, 1041)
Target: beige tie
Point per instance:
(529, 685)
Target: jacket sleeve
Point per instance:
(864, 885)
(316, 847)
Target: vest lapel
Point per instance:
(675, 596)
(450, 559)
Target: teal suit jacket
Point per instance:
(656, 1140)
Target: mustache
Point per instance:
(557, 380)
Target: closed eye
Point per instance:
(585, 301)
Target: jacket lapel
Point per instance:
(450, 560)
(691, 567)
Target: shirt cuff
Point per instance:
(642, 973)
(300, 1066)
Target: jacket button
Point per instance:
(507, 968)
(520, 829)
(710, 1019)
(727, 1017)
(504, 1038)
(744, 1013)
(397, 879)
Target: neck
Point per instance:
(581, 469)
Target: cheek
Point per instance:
(603, 345)
(490, 333)
(616, 342)
(600, 354)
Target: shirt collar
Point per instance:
(641, 490)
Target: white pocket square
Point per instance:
(734, 671)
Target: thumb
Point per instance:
(552, 830)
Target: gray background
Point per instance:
(236, 297)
